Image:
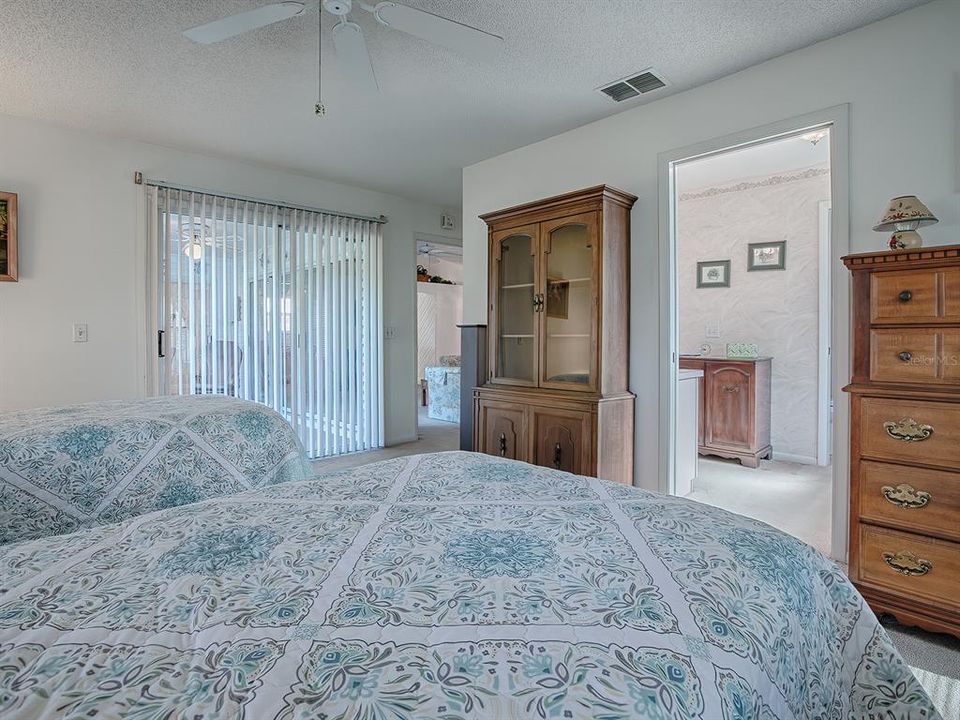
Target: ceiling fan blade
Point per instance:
(353, 58)
(243, 22)
(438, 30)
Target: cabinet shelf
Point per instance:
(572, 281)
(569, 335)
(516, 336)
(515, 287)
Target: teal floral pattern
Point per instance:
(454, 564)
(443, 393)
(66, 469)
(739, 700)
(448, 586)
(214, 552)
(513, 553)
(84, 441)
(123, 680)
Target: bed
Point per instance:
(64, 469)
(451, 585)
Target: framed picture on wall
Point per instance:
(713, 273)
(767, 256)
(8, 236)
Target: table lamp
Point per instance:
(904, 215)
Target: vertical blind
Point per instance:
(273, 304)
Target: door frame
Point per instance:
(836, 119)
(825, 398)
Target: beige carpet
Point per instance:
(435, 436)
(791, 497)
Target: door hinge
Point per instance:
(160, 344)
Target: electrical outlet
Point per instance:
(712, 329)
(79, 332)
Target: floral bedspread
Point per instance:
(63, 469)
(441, 586)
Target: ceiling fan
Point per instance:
(348, 37)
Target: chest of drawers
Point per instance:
(904, 542)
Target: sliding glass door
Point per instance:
(277, 305)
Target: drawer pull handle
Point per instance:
(905, 296)
(905, 356)
(906, 496)
(503, 445)
(730, 388)
(908, 430)
(907, 563)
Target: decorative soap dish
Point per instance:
(742, 350)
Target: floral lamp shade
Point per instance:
(904, 215)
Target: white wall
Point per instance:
(901, 77)
(776, 309)
(79, 231)
(439, 308)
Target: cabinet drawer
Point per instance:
(903, 355)
(501, 430)
(561, 440)
(927, 433)
(927, 501)
(910, 565)
(915, 296)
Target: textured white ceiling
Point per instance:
(123, 67)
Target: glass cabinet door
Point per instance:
(514, 277)
(570, 303)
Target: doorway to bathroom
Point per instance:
(752, 302)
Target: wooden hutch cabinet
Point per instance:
(904, 541)
(559, 296)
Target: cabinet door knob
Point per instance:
(905, 296)
(905, 356)
(503, 444)
(907, 563)
(906, 496)
(557, 455)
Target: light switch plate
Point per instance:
(79, 332)
(390, 332)
(712, 329)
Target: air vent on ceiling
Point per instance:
(632, 86)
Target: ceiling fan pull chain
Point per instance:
(319, 109)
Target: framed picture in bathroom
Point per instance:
(713, 273)
(767, 256)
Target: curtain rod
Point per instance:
(382, 219)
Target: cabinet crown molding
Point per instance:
(597, 194)
(895, 259)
